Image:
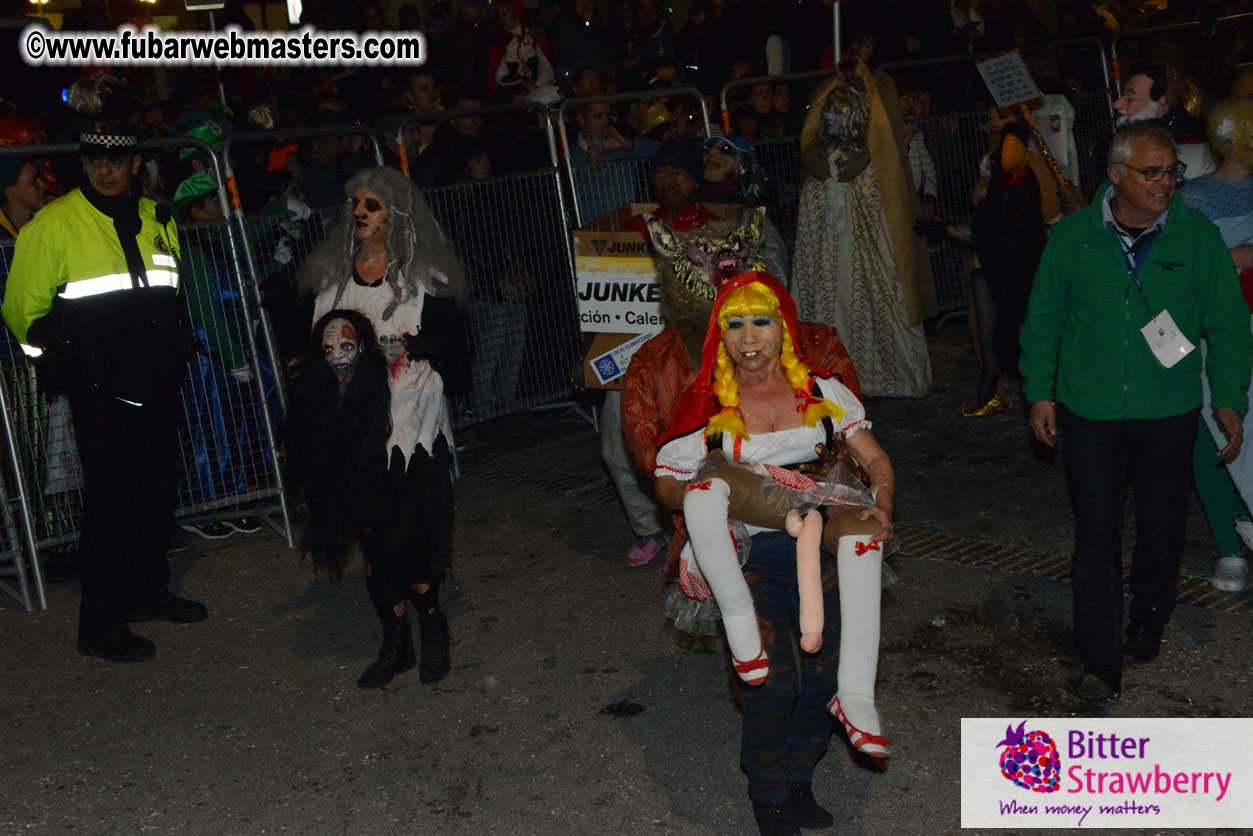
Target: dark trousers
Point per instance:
(408, 540)
(130, 464)
(786, 726)
(1099, 455)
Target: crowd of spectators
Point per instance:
(481, 54)
(506, 52)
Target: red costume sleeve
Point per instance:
(659, 371)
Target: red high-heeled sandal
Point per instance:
(755, 670)
(864, 742)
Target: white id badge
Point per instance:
(1165, 341)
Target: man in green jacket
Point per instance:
(1125, 290)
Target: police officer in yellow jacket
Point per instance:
(93, 295)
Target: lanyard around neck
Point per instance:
(1135, 260)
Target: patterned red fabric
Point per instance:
(661, 370)
(693, 586)
(693, 217)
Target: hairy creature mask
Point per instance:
(694, 264)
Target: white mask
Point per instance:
(342, 349)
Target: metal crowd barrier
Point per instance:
(247, 259)
(511, 232)
(788, 78)
(600, 188)
(441, 116)
(227, 439)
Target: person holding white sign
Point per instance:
(1124, 291)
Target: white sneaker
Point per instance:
(1231, 574)
(1245, 529)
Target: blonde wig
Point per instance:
(758, 300)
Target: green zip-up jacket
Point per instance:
(1081, 340)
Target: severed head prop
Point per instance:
(341, 347)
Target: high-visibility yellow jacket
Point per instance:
(69, 242)
(113, 332)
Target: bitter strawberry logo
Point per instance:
(1030, 759)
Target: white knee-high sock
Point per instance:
(705, 510)
(859, 560)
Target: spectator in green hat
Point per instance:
(208, 132)
(214, 303)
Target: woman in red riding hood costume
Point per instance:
(759, 407)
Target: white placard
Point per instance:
(611, 365)
(1095, 772)
(619, 303)
(1008, 79)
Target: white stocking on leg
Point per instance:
(705, 510)
(859, 561)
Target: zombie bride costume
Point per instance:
(389, 261)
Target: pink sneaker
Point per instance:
(645, 549)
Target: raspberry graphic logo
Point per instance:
(1030, 759)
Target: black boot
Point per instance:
(433, 634)
(395, 656)
(804, 810)
(774, 820)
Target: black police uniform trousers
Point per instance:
(130, 459)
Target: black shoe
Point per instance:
(1098, 685)
(61, 565)
(212, 530)
(116, 644)
(433, 635)
(1144, 641)
(803, 810)
(169, 608)
(773, 819)
(247, 525)
(395, 656)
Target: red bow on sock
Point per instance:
(862, 548)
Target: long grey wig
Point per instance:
(418, 254)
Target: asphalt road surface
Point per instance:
(571, 708)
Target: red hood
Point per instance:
(698, 404)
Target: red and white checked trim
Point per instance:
(693, 585)
(790, 478)
(801, 482)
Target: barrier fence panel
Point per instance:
(280, 243)
(241, 247)
(1094, 128)
(19, 575)
(229, 458)
(228, 467)
(521, 324)
(511, 233)
(603, 187)
(945, 161)
(780, 160)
